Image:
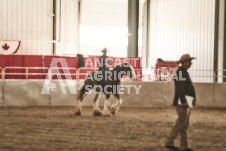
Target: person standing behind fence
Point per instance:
(183, 88)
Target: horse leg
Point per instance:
(115, 107)
(106, 106)
(78, 108)
(96, 109)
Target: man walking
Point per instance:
(183, 88)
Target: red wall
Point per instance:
(45, 61)
(33, 61)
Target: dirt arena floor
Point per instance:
(141, 129)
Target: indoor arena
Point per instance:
(112, 75)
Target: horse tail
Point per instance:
(81, 92)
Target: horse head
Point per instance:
(130, 72)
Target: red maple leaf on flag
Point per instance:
(5, 47)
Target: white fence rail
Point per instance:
(145, 74)
(26, 73)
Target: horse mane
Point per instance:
(116, 68)
(119, 66)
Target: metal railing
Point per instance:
(167, 74)
(222, 70)
(148, 74)
(85, 68)
(96, 69)
(26, 73)
(49, 71)
(66, 72)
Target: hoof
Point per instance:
(77, 112)
(114, 109)
(97, 113)
(113, 112)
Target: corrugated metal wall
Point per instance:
(184, 26)
(67, 27)
(32, 22)
(27, 20)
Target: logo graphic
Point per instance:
(55, 70)
(9, 47)
(5, 47)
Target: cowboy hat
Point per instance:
(185, 57)
(104, 50)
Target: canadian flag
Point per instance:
(9, 47)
